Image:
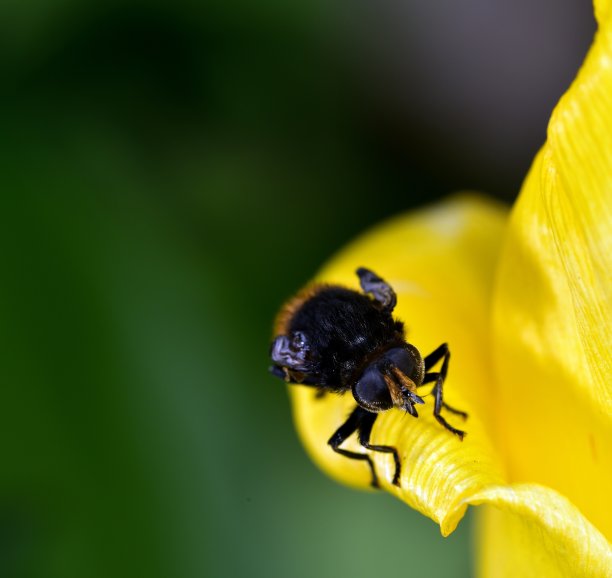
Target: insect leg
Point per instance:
(379, 289)
(429, 377)
(435, 356)
(431, 359)
(365, 430)
(344, 431)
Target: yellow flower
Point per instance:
(525, 305)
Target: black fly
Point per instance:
(338, 340)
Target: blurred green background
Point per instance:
(170, 173)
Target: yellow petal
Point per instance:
(553, 302)
(531, 531)
(552, 413)
(440, 262)
(602, 8)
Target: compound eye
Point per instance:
(371, 391)
(292, 352)
(402, 359)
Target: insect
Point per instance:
(337, 339)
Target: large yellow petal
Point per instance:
(553, 301)
(532, 532)
(440, 262)
(551, 417)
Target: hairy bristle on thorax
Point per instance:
(288, 310)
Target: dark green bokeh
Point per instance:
(170, 173)
(144, 436)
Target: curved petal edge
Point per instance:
(529, 530)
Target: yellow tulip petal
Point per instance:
(602, 8)
(440, 262)
(531, 531)
(553, 301)
(550, 421)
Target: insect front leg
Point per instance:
(443, 353)
(351, 425)
(365, 430)
(429, 377)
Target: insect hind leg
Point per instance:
(382, 292)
